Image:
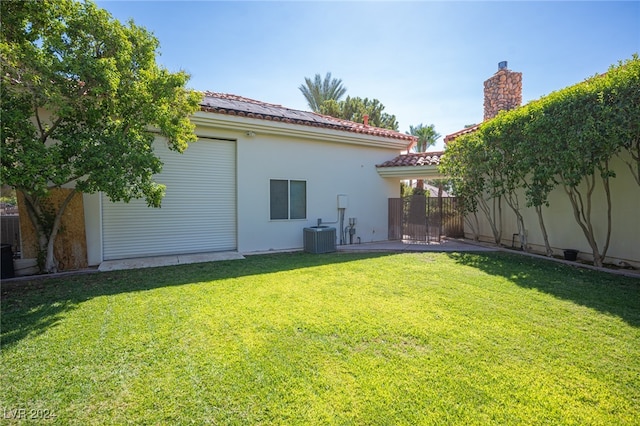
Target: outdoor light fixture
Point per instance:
(250, 133)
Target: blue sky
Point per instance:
(426, 61)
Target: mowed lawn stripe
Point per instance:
(416, 338)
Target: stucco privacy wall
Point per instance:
(565, 233)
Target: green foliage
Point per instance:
(354, 109)
(466, 163)
(319, 90)
(406, 190)
(302, 339)
(566, 138)
(427, 136)
(81, 93)
(323, 96)
(8, 195)
(473, 169)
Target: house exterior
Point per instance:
(257, 176)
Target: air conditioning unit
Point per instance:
(319, 239)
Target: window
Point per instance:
(288, 199)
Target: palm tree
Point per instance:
(427, 136)
(317, 91)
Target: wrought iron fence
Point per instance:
(421, 218)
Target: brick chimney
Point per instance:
(503, 91)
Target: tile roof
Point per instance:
(452, 136)
(414, 159)
(222, 103)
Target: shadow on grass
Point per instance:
(607, 293)
(31, 307)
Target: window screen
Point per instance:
(279, 199)
(288, 199)
(298, 199)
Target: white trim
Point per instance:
(279, 128)
(306, 200)
(411, 172)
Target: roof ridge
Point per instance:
(285, 114)
(425, 153)
(231, 96)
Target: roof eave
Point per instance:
(267, 127)
(410, 172)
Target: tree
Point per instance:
(427, 137)
(622, 101)
(317, 91)
(503, 139)
(577, 131)
(82, 100)
(583, 150)
(354, 109)
(565, 139)
(470, 164)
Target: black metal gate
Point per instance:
(421, 218)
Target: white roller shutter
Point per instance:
(198, 212)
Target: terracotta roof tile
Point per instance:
(452, 136)
(223, 103)
(414, 159)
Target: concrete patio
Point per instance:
(446, 245)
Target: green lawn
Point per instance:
(363, 339)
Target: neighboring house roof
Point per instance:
(222, 103)
(412, 166)
(414, 159)
(452, 136)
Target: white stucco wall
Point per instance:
(93, 227)
(565, 233)
(329, 169)
(331, 162)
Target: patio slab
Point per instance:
(445, 245)
(182, 259)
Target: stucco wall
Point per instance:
(329, 169)
(565, 233)
(330, 166)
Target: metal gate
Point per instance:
(421, 218)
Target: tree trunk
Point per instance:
(495, 223)
(582, 215)
(36, 217)
(51, 264)
(547, 246)
(474, 228)
(512, 201)
(46, 232)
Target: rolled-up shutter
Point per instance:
(198, 212)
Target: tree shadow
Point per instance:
(608, 293)
(29, 308)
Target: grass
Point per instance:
(375, 339)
